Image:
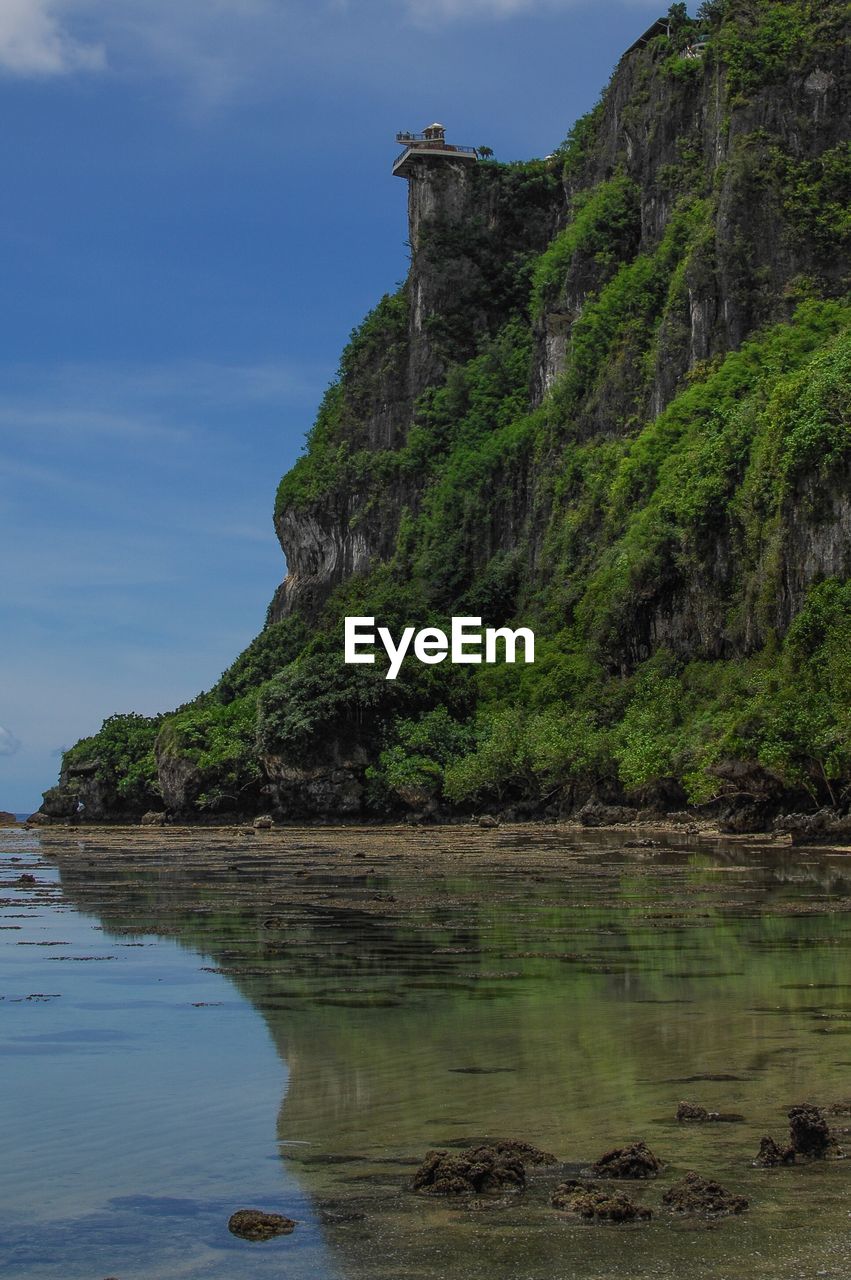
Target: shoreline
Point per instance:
(645, 834)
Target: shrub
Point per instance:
(767, 40)
(277, 645)
(605, 225)
(218, 740)
(413, 767)
(527, 755)
(123, 749)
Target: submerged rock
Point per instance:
(476, 1171)
(696, 1195)
(688, 1111)
(634, 1161)
(488, 822)
(597, 1203)
(255, 1224)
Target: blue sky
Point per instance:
(197, 209)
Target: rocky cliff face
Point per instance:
(609, 401)
(670, 131)
(468, 230)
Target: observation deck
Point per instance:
(428, 147)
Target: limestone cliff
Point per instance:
(469, 231)
(668, 131)
(609, 401)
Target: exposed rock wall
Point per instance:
(667, 134)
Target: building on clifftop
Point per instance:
(427, 149)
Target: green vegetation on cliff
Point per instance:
(610, 403)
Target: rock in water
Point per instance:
(153, 818)
(809, 1137)
(597, 1203)
(263, 823)
(634, 1161)
(476, 1171)
(696, 1195)
(255, 1224)
(7, 819)
(770, 1155)
(688, 1111)
(809, 1132)
(827, 826)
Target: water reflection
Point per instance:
(565, 991)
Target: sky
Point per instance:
(197, 209)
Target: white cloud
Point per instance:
(9, 744)
(34, 43)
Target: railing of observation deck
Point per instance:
(411, 139)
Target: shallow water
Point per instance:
(198, 1022)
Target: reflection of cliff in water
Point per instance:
(569, 995)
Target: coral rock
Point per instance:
(255, 1224)
(696, 1195)
(634, 1161)
(809, 1132)
(597, 1203)
(476, 1171)
(770, 1155)
(688, 1111)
